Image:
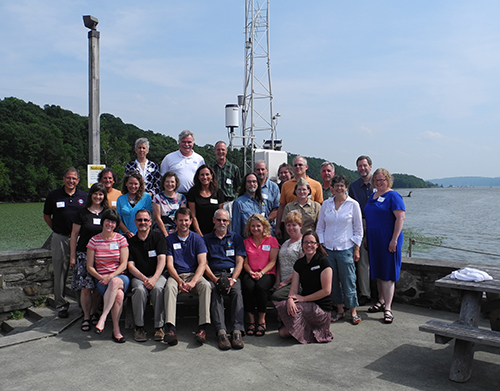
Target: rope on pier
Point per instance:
(413, 242)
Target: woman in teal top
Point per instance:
(134, 198)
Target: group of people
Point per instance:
(185, 226)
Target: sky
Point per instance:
(413, 84)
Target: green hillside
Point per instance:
(38, 144)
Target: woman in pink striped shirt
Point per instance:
(107, 256)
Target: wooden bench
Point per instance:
(445, 332)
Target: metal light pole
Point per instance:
(94, 93)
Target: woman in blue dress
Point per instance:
(385, 215)
(134, 198)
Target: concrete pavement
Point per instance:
(369, 356)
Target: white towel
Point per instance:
(470, 274)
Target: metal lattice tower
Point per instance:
(257, 113)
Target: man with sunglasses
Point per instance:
(226, 253)
(300, 170)
(146, 263)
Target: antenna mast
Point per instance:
(257, 99)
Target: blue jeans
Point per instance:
(344, 277)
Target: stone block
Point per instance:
(14, 277)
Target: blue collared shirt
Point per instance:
(271, 194)
(222, 252)
(360, 192)
(243, 208)
(185, 252)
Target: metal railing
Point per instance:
(412, 242)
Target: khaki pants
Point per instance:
(202, 289)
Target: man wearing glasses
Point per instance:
(146, 263)
(226, 253)
(300, 170)
(59, 212)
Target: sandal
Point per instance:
(94, 319)
(339, 316)
(388, 318)
(251, 329)
(261, 330)
(86, 325)
(378, 307)
(356, 319)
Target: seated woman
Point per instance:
(107, 256)
(134, 198)
(167, 202)
(306, 317)
(86, 225)
(204, 198)
(149, 170)
(289, 252)
(260, 271)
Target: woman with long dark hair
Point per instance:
(204, 198)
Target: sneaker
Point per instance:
(140, 335)
(236, 341)
(224, 343)
(159, 335)
(170, 338)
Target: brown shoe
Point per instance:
(236, 341)
(170, 338)
(140, 335)
(224, 343)
(159, 335)
(201, 336)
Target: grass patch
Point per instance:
(22, 226)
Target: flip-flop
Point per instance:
(356, 319)
(339, 316)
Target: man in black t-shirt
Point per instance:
(146, 263)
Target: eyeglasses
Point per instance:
(310, 243)
(142, 220)
(222, 220)
(380, 180)
(251, 181)
(298, 164)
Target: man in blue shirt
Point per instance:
(186, 263)
(249, 202)
(226, 253)
(270, 190)
(360, 190)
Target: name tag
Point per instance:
(264, 196)
(380, 199)
(329, 211)
(315, 268)
(230, 253)
(97, 221)
(266, 247)
(177, 246)
(60, 204)
(229, 181)
(152, 253)
(174, 206)
(214, 201)
(114, 246)
(179, 165)
(113, 203)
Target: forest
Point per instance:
(37, 145)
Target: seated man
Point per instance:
(146, 263)
(226, 252)
(186, 263)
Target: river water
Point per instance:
(466, 218)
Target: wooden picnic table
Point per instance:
(465, 331)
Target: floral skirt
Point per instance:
(310, 324)
(81, 278)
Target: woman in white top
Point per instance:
(289, 253)
(150, 171)
(340, 231)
